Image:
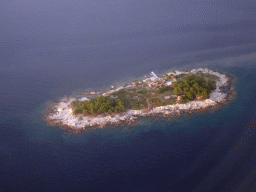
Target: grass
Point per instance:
(131, 89)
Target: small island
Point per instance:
(171, 94)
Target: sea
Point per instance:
(211, 150)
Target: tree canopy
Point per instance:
(193, 85)
(98, 105)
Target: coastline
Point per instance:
(61, 114)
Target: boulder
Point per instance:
(122, 119)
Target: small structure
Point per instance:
(92, 93)
(167, 97)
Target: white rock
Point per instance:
(83, 99)
(168, 83)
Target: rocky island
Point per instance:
(171, 94)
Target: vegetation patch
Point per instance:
(98, 105)
(193, 86)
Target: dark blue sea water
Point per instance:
(205, 151)
(213, 150)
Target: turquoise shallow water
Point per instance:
(204, 151)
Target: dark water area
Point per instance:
(44, 59)
(204, 151)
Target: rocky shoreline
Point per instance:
(61, 114)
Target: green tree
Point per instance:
(98, 105)
(192, 86)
